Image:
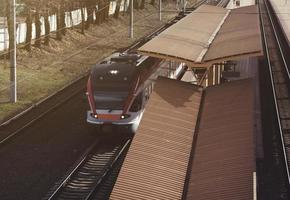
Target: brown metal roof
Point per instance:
(207, 35)
(238, 36)
(187, 38)
(224, 156)
(156, 164)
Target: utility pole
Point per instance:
(160, 6)
(131, 31)
(184, 2)
(12, 22)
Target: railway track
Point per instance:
(280, 81)
(90, 173)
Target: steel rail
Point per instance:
(110, 168)
(278, 40)
(108, 165)
(82, 159)
(274, 91)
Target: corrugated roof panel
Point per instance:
(208, 35)
(157, 161)
(188, 37)
(241, 29)
(224, 155)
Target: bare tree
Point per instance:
(62, 17)
(47, 28)
(107, 9)
(117, 10)
(125, 7)
(142, 5)
(37, 28)
(28, 29)
(58, 24)
(136, 4)
(90, 6)
(97, 13)
(83, 19)
(130, 4)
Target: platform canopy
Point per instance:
(209, 35)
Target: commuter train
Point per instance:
(118, 89)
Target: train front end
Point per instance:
(109, 92)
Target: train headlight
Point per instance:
(95, 116)
(124, 116)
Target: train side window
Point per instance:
(137, 104)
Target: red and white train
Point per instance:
(119, 88)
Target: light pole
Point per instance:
(131, 31)
(160, 6)
(12, 51)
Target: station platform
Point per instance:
(192, 144)
(282, 10)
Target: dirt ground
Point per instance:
(44, 71)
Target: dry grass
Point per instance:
(45, 70)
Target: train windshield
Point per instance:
(110, 100)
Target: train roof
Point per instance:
(113, 75)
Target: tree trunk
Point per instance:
(125, 7)
(37, 29)
(136, 4)
(98, 13)
(28, 30)
(90, 17)
(102, 11)
(97, 16)
(107, 10)
(58, 24)
(62, 18)
(71, 19)
(142, 5)
(117, 10)
(83, 20)
(9, 28)
(129, 7)
(47, 28)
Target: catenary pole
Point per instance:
(160, 7)
(13, 81)
(131, 20)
